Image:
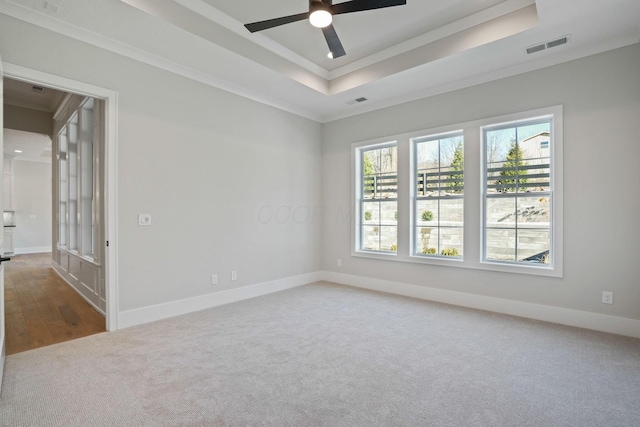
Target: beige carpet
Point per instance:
(328, 355)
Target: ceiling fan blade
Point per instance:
(276, 22)
(362, 5)
(333, 41)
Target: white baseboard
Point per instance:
(175, 308)
(563, 316)
(34, 250)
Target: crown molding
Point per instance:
(55, 25)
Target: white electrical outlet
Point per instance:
(607, 297)
(234, 275)
(144, 219)
(214, 279)
(339, 263)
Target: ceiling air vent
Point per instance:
(547, 45)
(37, 89)
(558, 42)
(536, 48)
(357, 100)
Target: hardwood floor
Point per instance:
(42, 309)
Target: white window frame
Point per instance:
(357, 197)
(473, 196)
(83, 225)
(555, 266)
(414, 195)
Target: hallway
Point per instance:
(40, 308)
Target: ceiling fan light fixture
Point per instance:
(320, 15)
(320, 18)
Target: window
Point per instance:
(86, 178)
(485, 194)
(517, 199)
(63, 218)
(378, 198)
(76, 157)
(72, 140)
(439, 195)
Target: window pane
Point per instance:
(388, 213)
(534, 210)
(379, 231)
(62, 238)
(439, 167)
(497, 144)
(379, 190)
(533, 246)
(428, 168)
(427, 240)
(451, 240)
(371, 238)
(451, 163)
(501, 212)
(451, 212)
(86, 178)
(379, 170)
(62, 187)
(427, 212)
(501, 244)
(73, 181)
(388, 238)
(518, 228)
(371, 212)
(439, 203)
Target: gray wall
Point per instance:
(28, 120)
(203, 163)
(601, 99)
(212, 169)
(32, 204)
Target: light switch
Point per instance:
(144, 219)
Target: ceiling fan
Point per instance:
(320, 15)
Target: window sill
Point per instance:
(533, 270)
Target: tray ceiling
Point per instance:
(362, 33)
(394, 55)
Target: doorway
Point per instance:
(107, 223)
(51, 189)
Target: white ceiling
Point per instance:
(361, 33)
(33, 147)
(26, 95)
(394, 55)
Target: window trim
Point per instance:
(414, 196)
(77, 114)
(357, 199)
(473, 195)
(554, 115)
